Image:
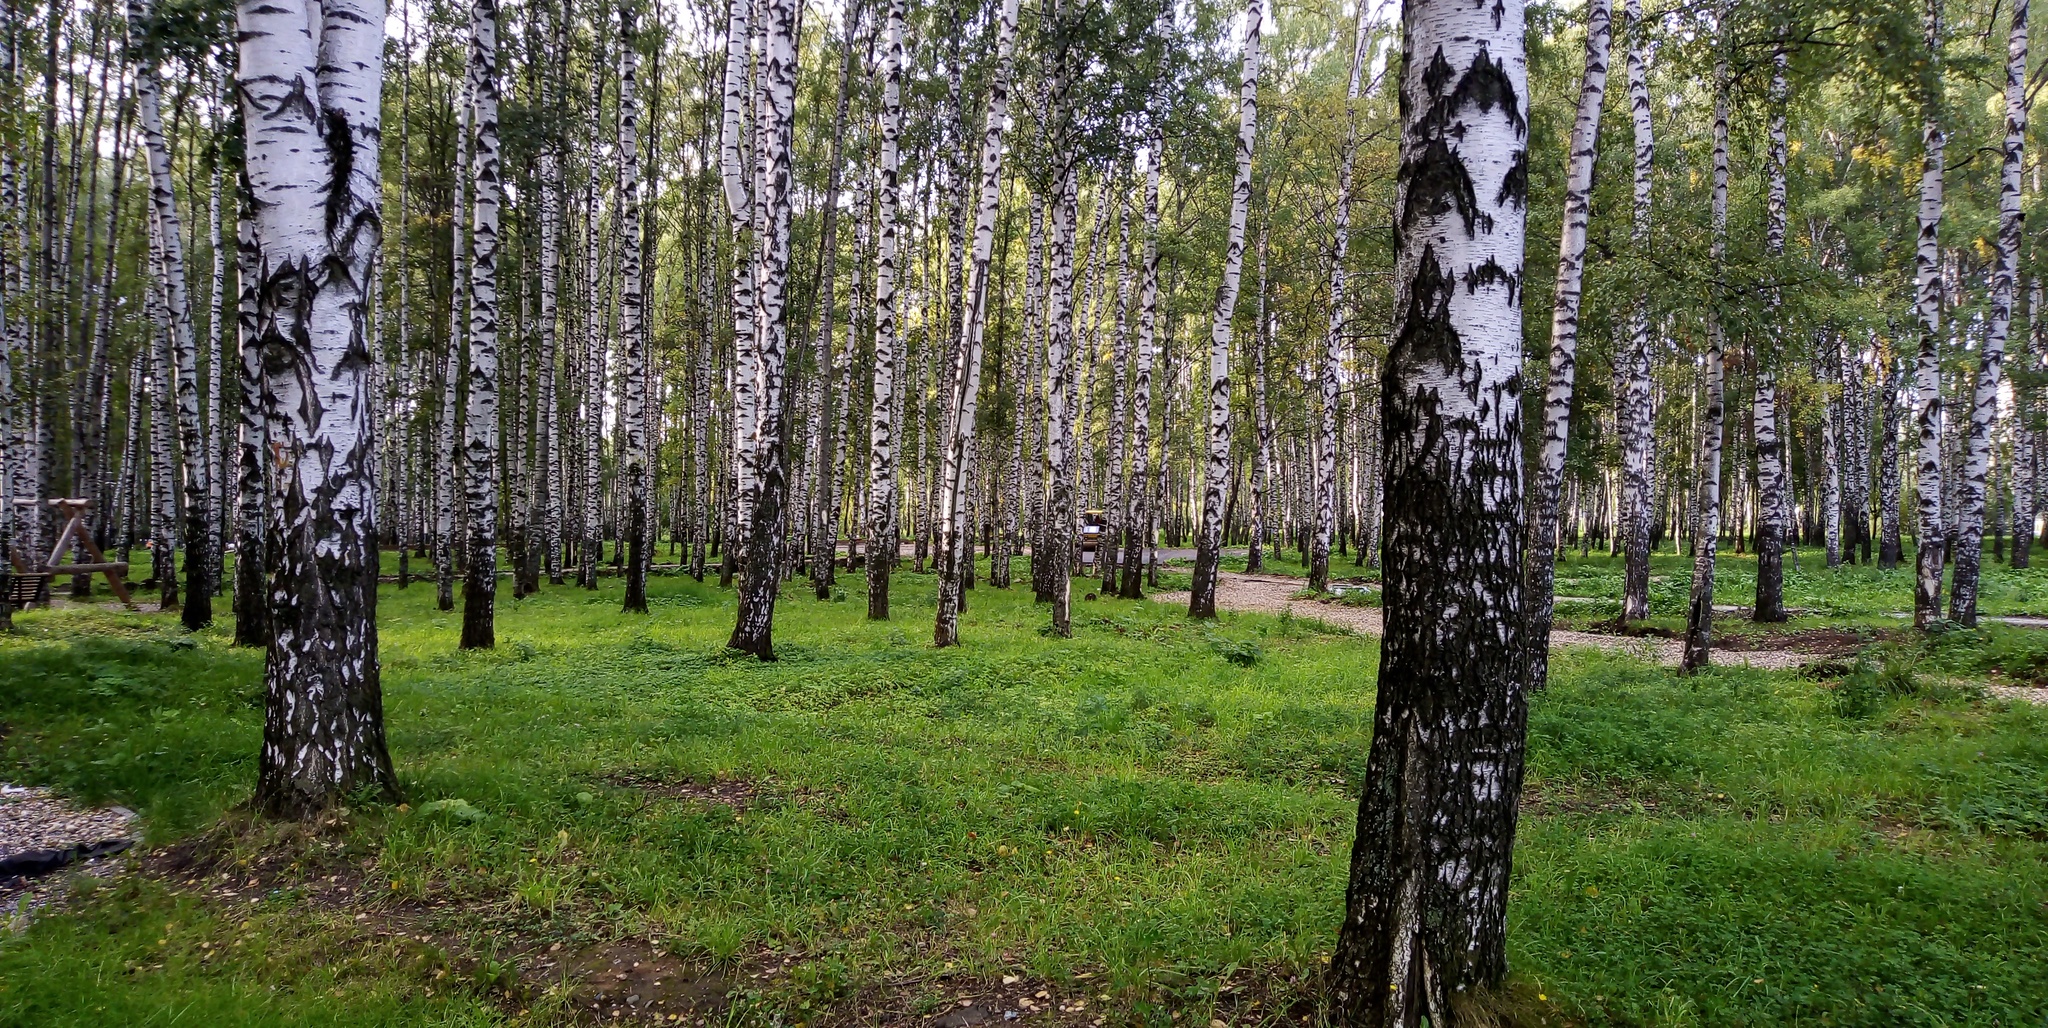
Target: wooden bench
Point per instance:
(26, 590)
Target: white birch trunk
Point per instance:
(1540, 581)
(956, 541)
(2004, 283)
(1209, 542)
(313, 179)
(480, 446)
(1928, 290)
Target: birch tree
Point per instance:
(1771, 484)
(1209, 542)
(1332, 368)
(1699, 615)
(956, 540)
(774, 114)
(1633, 395)
(313, 184)
(1137, 517)
(480, 427)
(1962, 604)
(1564, 326)
(633, 346)
(197, 612)
(1928, 289)
(881, 520)
(1425, 912)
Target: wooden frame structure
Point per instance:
(73, 535)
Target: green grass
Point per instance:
(1163, 807)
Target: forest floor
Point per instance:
(608, 819)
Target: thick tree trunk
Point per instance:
(2004, 283)
(1928, 290)
(774, 113)
(480, 448)
(1057, 531)
(313, 183)
(1426, 909)
(1209, 544)
(1539, 585)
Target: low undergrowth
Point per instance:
(1147, 824)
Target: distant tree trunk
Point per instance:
(774, 113)
(2026, 438)
(1426, 908)
(314, 188)
(550, 493)
(480, 429)
(252, 546)
(1139, 514)
(1635, 405)
(1771, 463)
(1541, 576)
(823, 510)
(1262, 425)
(1889, 552)
(446, 464)
(1831, 450)
(1332, 368)
(198, 608)
(733, 154)
(2004, 282)
(1928, 289)
(956, 541)
(1699, 615)
(1057, 530)
(1209, 545)
(881, 526)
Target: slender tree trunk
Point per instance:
(1426, 909)
(824, 507)
(314, 188)
(1771, 463)
(1635, 406)
(1332, 368)
(956, 542)
(1928, 290)
(480, 447)
(1209, 545)
(2004, 282)
(881, 521)
(198, 608)
(633, 467)
(1699, 617)
(1538, 589)
(1139, 514)
(446, 463)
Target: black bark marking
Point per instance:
(1491, 273)
(1487, 84)
(1427, 336)
(1514, 186)
(1437, 184)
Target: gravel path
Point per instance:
(36, 819)
(1273, 595)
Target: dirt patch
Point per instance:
(736, 794)
(1275, 595)
(633, 979)
(49, 843)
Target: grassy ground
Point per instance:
(1151, 819)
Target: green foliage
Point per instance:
(1133, 804)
